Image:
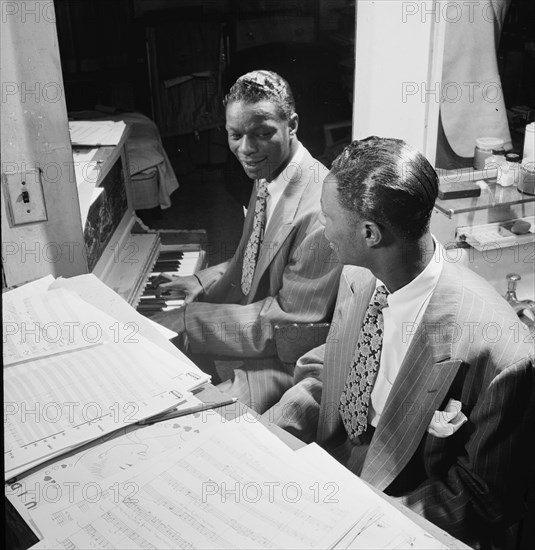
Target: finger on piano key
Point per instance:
(169, 265)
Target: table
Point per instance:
(20, 537)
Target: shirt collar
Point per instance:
(279, 183)
(418, 290)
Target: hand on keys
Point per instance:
(187, 287)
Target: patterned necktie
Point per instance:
(257, 234)
(355, 398)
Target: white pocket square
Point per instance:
(447, 422)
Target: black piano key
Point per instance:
(166, 266)
(151, 300)
(168, 260)
(148, 308)
(170, 254)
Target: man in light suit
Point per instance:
(283, 270)
(442, 417)
(472, 103)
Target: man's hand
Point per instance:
(189, 287)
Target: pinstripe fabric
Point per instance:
(469, 346)
(295, 281)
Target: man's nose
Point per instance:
(247, 145)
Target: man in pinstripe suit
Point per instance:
(450, 418)
(292, 278)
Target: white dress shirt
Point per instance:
(406, 307)
(276, 187)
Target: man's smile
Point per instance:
(252, 163)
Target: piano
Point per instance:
(123, 252)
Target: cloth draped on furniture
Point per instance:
(152, 176)
(151, 173)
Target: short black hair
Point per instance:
(388, 182)
(262, 85)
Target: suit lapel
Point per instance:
(420, 387)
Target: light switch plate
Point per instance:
(25, 197)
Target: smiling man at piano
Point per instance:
(283, 270)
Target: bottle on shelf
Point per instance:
(526, 183)
(495, 162)
(509, 172)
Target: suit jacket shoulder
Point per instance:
(484, 324)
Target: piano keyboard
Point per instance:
(172, 261)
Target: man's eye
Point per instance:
(234, 136)
(264, 135)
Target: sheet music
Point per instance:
(91, 289)
(167, 333)
(236, 487)
(74, 405)
(48, 323)
(385, 526)
(46, 498)
(33, 288)
(96, 132)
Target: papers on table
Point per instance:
(232, 485)
(89, 376)
(384, 526)
(167, 333)
(91, 289)
(53, 495)
(96, 132)
(92, 479)
(60, 402)
(33, 288)
(49, 323)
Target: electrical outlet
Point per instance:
(25, 197)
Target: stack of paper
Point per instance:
(53, 495)
(92, 479)
(96, 132)
(75, 373)
(232, 485)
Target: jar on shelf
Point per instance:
(529, 143)
(483, 150)
(510, 171)
(494, 162)
(526, 182)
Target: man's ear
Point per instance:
(293, 124)
(372, 233)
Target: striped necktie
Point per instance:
(355, 397)
(253, 245)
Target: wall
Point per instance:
(35, 134)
